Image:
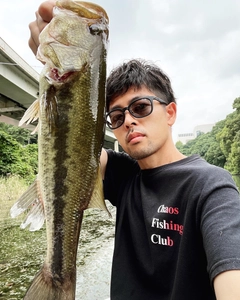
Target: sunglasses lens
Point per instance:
(140, 108)
(115, 119)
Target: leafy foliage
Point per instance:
(21, 135)
(16, 155)
(229, 139)
(220, 146)
(207, 146)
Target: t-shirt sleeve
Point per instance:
(220, 225)
(118, 170)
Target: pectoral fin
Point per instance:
(30, 200)
(31, 115)
(97, 199)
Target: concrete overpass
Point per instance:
(19, 88)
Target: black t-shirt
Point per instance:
(177, 227)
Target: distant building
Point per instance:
(185, 137)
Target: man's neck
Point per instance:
(160, 159)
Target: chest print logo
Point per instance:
(168, 210)
(163, 224)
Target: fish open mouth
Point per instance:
(54, 75)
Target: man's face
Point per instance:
(147, 137)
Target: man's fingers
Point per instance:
(32, 46)
(43, 17)
(34, 37)
(45, 10)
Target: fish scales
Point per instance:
(69, 164)
(71, 109)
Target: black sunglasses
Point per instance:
(138, 108)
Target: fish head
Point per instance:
(74, 38)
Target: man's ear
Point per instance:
(171, 110)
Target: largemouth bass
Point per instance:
(70, 109)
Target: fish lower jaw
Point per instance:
(54, 75)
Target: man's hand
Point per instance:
(227, 285)
(43, 17)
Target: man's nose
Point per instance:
(129, 119)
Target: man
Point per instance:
(178, 218)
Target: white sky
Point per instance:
(196, 42)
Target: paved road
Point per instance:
(93, 278)
(95, 255)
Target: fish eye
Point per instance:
(95, 30)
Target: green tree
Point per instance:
(214, 154)
(31, 157)
(9, 153)
(185, 149)
(233, 163)
(206, 145)
(201, 144)
(21, 135)
(236, 104)
(229, 139)
(179, 145)
(16, 158)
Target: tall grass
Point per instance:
(11, 188)
(21, 251)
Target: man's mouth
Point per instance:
(134, 137)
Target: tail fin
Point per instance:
(45, 287)
(32, 200)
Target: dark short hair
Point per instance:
(137, 73)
